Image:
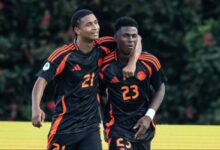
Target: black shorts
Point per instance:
(125, 144)
(79, 141)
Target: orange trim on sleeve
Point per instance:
(110, 57)
(150, 56)
(101, 76)
(155, 59)
(104, 67)
(60, 51)
(104, 39)
(151, 59)
(100, 60)
(61, 65)
(105, 49)
(148, 68)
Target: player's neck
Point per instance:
(122, 58)
(84, 46)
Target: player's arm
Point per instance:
(144, 123)
(108, 44)
(53, 66)
(157, 100)
(157, 81)
(130, 68)
(38, 115)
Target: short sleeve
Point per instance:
(54, 64)
(157, 76)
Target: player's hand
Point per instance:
(129, 70)
(38, 117)
(142, 125)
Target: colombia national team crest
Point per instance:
(141, 75)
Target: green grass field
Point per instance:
(23, 136)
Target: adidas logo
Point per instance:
(76, 68)
(115, 80)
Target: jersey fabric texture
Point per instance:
(75, 76)
(77, 141)
(128, 100)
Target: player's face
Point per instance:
(126, 38)
(88, 28)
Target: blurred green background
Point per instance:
(184, 35)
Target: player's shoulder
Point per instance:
(62, 51)
(109, 58)
(149, 59)
(104, 39)
(145, 56)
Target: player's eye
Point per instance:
(125, 35)
(96, 22)
(88, 24)
(134, 35)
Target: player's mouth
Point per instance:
(95, 35)
(130, 46)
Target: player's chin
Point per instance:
(129, 50)
(95, 37)
(127, 54)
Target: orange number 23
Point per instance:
(126, 90)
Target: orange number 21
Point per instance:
(88, 80)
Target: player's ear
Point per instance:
(76, 30)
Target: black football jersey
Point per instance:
(128, 100)
(75, 75)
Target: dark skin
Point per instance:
(88, 31)
(126, 38)
(145, 121)
(38, 114)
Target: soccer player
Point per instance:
(74, 68)
(130, 108)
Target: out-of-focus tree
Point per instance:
(184, 35)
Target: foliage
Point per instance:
(184, 35)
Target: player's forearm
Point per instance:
(38, 91)
(137, 51)
(158, 98)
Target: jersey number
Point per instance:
(57, 147)
(120, 144)
(127, 89)
(88, 80)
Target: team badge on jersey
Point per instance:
(46, 66)
(141, 75)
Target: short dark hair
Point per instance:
(125, 21)
(75, 20)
